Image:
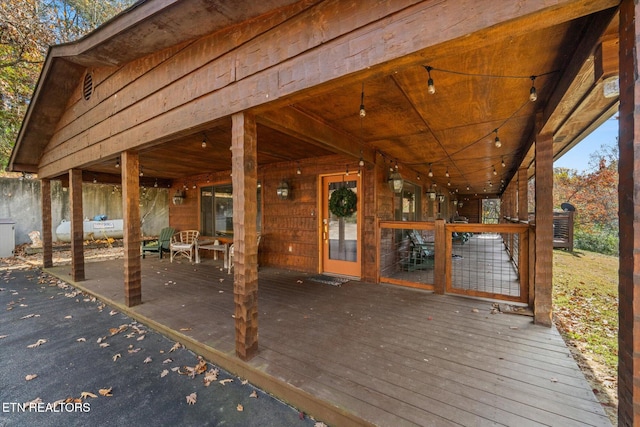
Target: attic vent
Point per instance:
(88, 86)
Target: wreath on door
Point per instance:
(343, 202)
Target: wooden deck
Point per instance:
(360, 352)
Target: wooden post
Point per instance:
(542, 306)
(244, 177)
(77, 226)
(131, 211)
(523, 195)
(47, 237)
(629, 213)
(439, 279)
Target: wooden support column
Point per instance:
(523, 195)
(440, 273)
(542, 306)
(244, 177)
(77, 225)
(629, 217)
(47, 236)
(131, 212)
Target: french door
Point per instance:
(340, 238)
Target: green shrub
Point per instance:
(599, 241)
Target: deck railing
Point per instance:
(483, 260)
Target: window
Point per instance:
(216, 210)
(407, 204)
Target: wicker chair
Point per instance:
(184, 243)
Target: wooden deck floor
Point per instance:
(359, 352)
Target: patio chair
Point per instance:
(421, 253)
(184, 243)
(230, 265)
(159, 245)
(424, 248)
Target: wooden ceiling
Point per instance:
(479, 89)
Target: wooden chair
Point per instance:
(230, 264)
(161, 244)
(184, 243)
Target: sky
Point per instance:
(578, 157)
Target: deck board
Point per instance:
(389, 355)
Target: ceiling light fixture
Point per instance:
(497, 140)
(363, 112)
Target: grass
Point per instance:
(585, 298)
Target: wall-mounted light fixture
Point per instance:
(178, 198)
(283, 190)
(396, 182)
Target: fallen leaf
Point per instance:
(33, 402)
(299, 281)
(554, 380)
(240, 408)
(513, 327)
(3, 336)
(319, 424)
(227, 381)
(130, 335)
(116, 356)
(475, 310)
(81, 339)
(37, 343)
(104, 345)
(185, 329)
(221, 280)
(29, 316)
(86, 394)
(68, 317)
(99, 340)
(164, 362)
(113, 313)
(211, 376)
(254, 394)
(147, 360)
(105, 391)
(175, 368)
(192, 398)
(200, 367)
(31, 377)
(244, 382)
(175, 347)
(133, 350)
(140, 338)
(164, 373)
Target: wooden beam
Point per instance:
(244, 178)
(629, 217)
(440, 274)
(523, 195)
(542, 307)
(77, 225)
(293, 122)
(131, 212)
(47, 233)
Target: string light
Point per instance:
(155, 184)
(431, 88)
(141, 172)
(497, 140)
(533, 94)
(298, 170)
(117, 163)
(347, 171)
(495, 172)
(430, 174)
(504, 165)
(363, 112)
(447, 172)
(204, 140)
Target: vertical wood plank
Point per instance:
(440, 274)
(77, 226)
(523, 265)
(47, 235)
(131, 212)
(244, 177)
(523, 195)
(629, 215)
(542, 306)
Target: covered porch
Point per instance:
(361, 353)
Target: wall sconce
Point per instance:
(178, 198)
(283, 190)
(396, 182)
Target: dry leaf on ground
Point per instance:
(68, 317)
(105, 391)
(166, 361)
(319, 424)
(3, 336)
(86, 394)
(31, 377)
(116, 357)
(113, 313)
(147, 360)
(29, 316)
(244, 382)
(164, 373)
(37, 343)
(175, 347)
(254, 394)
(211, 376)
(240, 408)
(227, 381)
(140, 338)
(81, 339)
(192, 398)
(104, 345)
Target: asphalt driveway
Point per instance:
(74, 361)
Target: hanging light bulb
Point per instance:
(418, 177)
(396, 165)
(363, 112)
(504, 165)
(533, 94)
(431, 89)
(155, 184)
(495, 172)
(430, 174)
(95, 180)
(347, 171)
(468, 188)
(447, 172)
(141, 172)
(298, 170)
(117, 163)
(448, 183)
(497, 140)
(204, 140)
(359, 172)
(361, 162)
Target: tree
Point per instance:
(27, 29)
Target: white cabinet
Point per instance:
(7, 237)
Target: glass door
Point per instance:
(340, 234)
